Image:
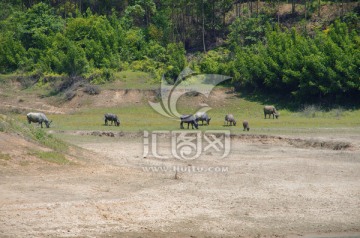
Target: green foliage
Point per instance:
(12, 53)
(93, 39)
(175, 59)
(100, 76)
(97, 37)
(37, 26)
(326, 66)
(216, 62)
(247, 30)
(134, 44)
(65, 56)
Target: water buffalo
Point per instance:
(112, 118)
(38, 117)
(271, 110)
(230, 118)
(202, 116)
(189, 119)
(246, 125)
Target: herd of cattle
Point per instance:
(192, 120)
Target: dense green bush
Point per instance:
(326, 66)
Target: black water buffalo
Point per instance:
(38, 117)
(246, 125)
(229, 118)
(271, 110)
(189, 119)
(112, 118)
(202, 116)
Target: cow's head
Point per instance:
(117, 122)
(196, 124)
(47, 123)
(234, 123)
(208, 120)
(277, 115)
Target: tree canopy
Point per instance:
(262, 48)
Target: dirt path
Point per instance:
(260, 189)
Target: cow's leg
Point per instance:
(181, 125)
(40, 124)
(105, 122)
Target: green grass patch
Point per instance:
(50, 156)
(140, 117)
(131, 80)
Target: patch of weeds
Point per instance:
(62, 84)
(2, 126)
(91, 89)
(311, 111)
(337, 112)
(5, 156)
(24, 163)
(48, 140)
(28, 81)
(69, 95)
(101, 76)
(17, 110)
(51, 156)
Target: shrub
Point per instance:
(69, 95)
(92, 89)
(310, 111)
(101, 76)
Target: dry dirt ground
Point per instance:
(266, 187)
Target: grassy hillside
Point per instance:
(21, 142)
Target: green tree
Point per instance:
(12, 53)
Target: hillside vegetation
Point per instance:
(303, 52)
(23, 144)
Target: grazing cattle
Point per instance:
(38, 117)
(189, 119)
(246, 125)
(229, 118)
(271, 110)
(202, 116)
(112, 118)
